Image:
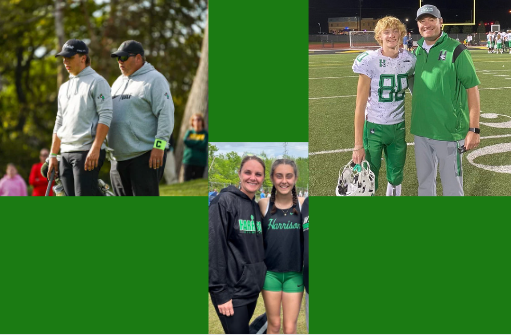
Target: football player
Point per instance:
(489, 42)
(384, 75)
(499, 43)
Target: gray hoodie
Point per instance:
(84, 101)
(143, 112)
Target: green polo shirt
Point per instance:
(439, 103)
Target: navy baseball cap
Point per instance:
(73, 47)
(129, 48)
(428, 10)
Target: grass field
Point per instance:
(215, 327)
(332, 94)
(197, 187)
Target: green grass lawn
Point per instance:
(215, 327)
(197, 187)
(332, 95)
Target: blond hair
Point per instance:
(389, 22)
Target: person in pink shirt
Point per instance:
(12, 184)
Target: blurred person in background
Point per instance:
(12, 184)
(36, 179)
(195, 157)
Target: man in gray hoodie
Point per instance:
(142, 123)
(83, 119)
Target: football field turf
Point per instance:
(332, 96)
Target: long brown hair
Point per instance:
(274, 190)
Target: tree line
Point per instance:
(223, 169)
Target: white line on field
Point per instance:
(326, 67)
(407, 92)
(337, 96)
(412, 143)
(494, 88)
(336, 77)
(341, 96)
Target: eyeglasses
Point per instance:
(124, 58)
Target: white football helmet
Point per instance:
(355, 179)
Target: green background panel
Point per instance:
(410, 265)
(103, 265)
(258, 71)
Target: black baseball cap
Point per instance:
(428, 10)
(129, 48)
(73, 47)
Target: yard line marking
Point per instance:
(341, 96)
(335, 77)
(411, 143)
(491, 70)
(407, 92)
(494, 88)
(337, 96)
(326, 67)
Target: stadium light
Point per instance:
(319, 27)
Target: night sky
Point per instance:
(453, 11)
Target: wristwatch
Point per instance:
(475, 130)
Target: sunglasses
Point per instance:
(124, 58)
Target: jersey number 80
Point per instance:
(388, 92)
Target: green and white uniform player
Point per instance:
(489, 42)
(499, 43)
(445, 106)
(384, 75)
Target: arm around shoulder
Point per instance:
(263, 203)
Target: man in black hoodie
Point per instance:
(236, 251)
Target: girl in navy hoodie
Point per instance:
(236, 251)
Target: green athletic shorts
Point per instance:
(391, 140)
(289, 282)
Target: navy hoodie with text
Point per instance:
(236, 252)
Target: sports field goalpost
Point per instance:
(362, 39)
(495, 27)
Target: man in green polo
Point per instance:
(445, 105)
